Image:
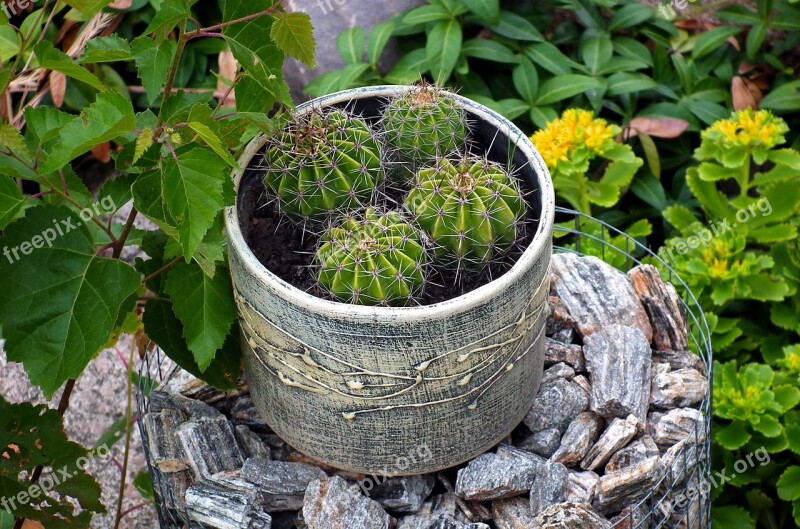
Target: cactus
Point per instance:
(324, 161)
(375, 260)
(472, 210)
(423, 125)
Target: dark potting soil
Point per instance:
(287, 250)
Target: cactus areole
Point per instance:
(390, 385)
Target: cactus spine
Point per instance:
(323, 162)
(471, 210)
(375, 260)
(423, 125)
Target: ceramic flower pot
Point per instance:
(396, 391)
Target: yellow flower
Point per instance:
(575, 128)
(792, 362)
(748, 129)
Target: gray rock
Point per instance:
(559, 319)
(565, 336)
(495, 476)
(220, 507)
(210, 446)
(282, 484)
(679, 462)
(194, 409)
(250, 444)
(441, 521)
(560, 370)
(678, 389)
(556, 405)
(244, 412)
(677, 425)
(570, 516)
(332, 503)
(556, 352)
(680, 360)
(580, 436)
(628, 486)
(581, 486)
(616, 436)
(549, 487)
(404, 494)
(583, 383)
(512, 513)
(638, 451)
(632, 518)
(543, 443)
(618, 359)
(663, 306)
(597, 295)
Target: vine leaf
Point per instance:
(205, 307)
(11, 200)
(88, 8)
(52, 59)
(152, 63)
(169, 13)
(61, 302)
(294, 35)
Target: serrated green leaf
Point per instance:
(731, 518)
(88, 8)
(488, 10)
(201, 121)
(714, 203)
(164, 328)
(376, 42)
(564, 87)
(768, 426)
(679, 217)
(52, 59)
(786, 396)
(143, 142)
(734, 436)
(442, 49)
(789, 484)
(193, 193)
(61, 302)
(10, 42)
(204, 306)
(11, 201)
(710, 41)
(168, 14)
(526, 79)
(350, 44)
(110, 116)
(152, 63)
(106, 49)
(793, 434)
(294, 35)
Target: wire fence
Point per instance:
(675, 502)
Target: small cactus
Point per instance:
(471, 210)
(376, 260)
(423, 125)
(323, 162)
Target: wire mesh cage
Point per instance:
(681, 497)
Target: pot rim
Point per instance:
(481, 295)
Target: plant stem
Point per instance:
(119, 244)
(128, 431)
(63, 404)
(270, 11)
(173, 71)
(162, 269)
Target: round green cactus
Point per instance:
(324, 161)
(375, 260)
(472, 210)
(423, 125)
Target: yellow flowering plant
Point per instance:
(587, 165)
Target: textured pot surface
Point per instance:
(382, 390)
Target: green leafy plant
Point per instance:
(67, 292)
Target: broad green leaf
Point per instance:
(11, 200)
(350, 44)
(793, 434)
(294, 35)
(10, 42)
(785, 97)
(488, 50)
(513, 26)
(193, 193)
(649, 190)
(626, 83)
(152, 63)
(541, 116)
(110, 116)
(769, 426)
(442, 49)
(564, 87)
(163, 327)
(258, 55)
(87, 8)
(733, 436)
(376, 42)
(52, 59)
(204, 306)
(786, 396)
(630, 15)
(488, 10)
(168, 14)
(106, 49)
(596, 52)
(788, 157)
(679, 217)
(789, 484)
(633, 49)
(731, 518)
(61, 302)
(526, 79)
(45, 124)
(755, 38)
(144, 486)
(426, 14)
(511, 108)
(710, 41)
(550, 58)
(409, 68)
(707, 111)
